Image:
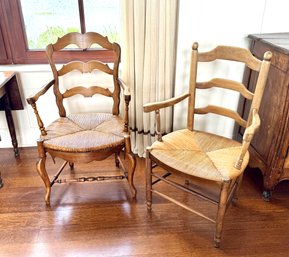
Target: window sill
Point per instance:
(26, 67)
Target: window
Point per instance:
(27, 26)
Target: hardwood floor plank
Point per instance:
(101, 219)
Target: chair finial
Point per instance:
(267, 56)
(195, 46)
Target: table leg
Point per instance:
(1, 181)
(11, 126)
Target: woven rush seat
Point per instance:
(200, 154)
(84, 132)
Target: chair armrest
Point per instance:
(252, 128)
(32, 101)
(156, 106)
(247, 137)
(43, 90)
(124, 87)
(166, 103)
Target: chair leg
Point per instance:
(235, 195)
(71, 165)
(40, 167)
(116, 159)
(221, 212)
(1, 181)
(148, 181)
(131, 167)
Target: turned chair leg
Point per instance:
(235, 195)
(221, 212)
(148, 181)
(1, 181)
(131, 166)
(40, 167)
(71, 165)
(116, 159)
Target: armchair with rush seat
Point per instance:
(85, 137)
(205, 160)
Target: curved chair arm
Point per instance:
(162, 104)
(32, 101)
(156, 106)
(252, 128)
(42, 91)
(248, 136)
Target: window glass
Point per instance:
(47, 20)
(104, 17)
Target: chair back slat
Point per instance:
(84, 67)
(227, 53)
(87, 92)
(222, 111)
(233, 54)
(86, 43)
(227, 84)
(82, 41)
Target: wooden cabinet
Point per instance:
(269, 150)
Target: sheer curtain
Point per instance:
(148, 63)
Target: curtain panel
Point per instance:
(148, 63)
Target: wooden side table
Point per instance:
(10, 100)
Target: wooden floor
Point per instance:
(100, 219)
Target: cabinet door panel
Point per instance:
(265, 141)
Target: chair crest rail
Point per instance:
(234, 54)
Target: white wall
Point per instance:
(30, 81)
(221, 22)
(209, 22)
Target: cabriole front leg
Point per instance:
(131, 165)
(40, 167)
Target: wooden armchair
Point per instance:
(206, 160)
(84, 137)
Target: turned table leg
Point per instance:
(11, 126)
(1, 181)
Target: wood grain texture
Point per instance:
(232, 54)
(87, 92)
(228, 84)
(271, 155)
(83, 41)
(89, 220)
(84, 67)
(163, 104)
(222, 111)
